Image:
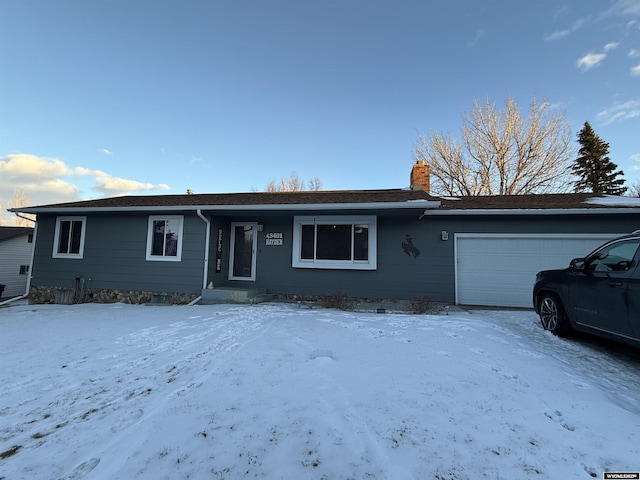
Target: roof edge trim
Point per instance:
(407, 205)
(541, 211)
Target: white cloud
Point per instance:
(590, 60)
(106, 152)
(40, 179)
(560, 34)
(620, 112)
(557, 35)
(619, 8)
(594, 59)
(610, 46)
(635, 158)
(50, 180)
(114, 186)
(80, 171)
(633, 53)
(21, 166)
(624, 8)
(635, 71)
(56, 185)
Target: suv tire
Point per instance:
(553, 316)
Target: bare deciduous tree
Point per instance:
(20, 199)
(293, 184)
(500, 152)
(634, 189)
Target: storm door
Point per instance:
(242, 260)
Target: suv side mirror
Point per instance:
(578, 264)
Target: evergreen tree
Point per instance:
(593, 166)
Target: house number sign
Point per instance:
(274, 238)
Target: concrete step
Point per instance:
(212, 296)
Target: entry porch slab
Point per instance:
(233, 295)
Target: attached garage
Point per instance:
(499, 269)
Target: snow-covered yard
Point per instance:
(280, 392)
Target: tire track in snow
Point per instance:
(209, 351)
(145, 381)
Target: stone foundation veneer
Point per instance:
(48, 295)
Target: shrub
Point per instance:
(422, 304)
(340, 300)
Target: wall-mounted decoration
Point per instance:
(274, 238)
(409, 248)
(219, 252)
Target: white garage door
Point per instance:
(499, 269)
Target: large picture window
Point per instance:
(69, 237)
(346, 242)
(164, 238)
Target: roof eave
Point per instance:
(536, 211)
(406, 205)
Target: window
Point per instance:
(164, 238)
(69, 237)
(342, 242)
(617, 257)
(24, 269)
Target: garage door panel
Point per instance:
(500, 270)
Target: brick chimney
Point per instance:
(421, 176)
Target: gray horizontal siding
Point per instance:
(115, 256)
(115, 250)
(399, 276)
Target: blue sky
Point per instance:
(110, 97)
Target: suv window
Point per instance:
(616, 257)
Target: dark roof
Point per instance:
(254, 199)
(7, 233)
(551, 201)
(347, 199)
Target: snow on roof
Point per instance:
(613, 200)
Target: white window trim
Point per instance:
(369, 220)
(163, 258)
(56, 238)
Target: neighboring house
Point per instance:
(393, 244)
(15, 258)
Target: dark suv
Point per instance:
(598, 294)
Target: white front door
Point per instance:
(242, 258)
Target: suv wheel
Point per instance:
(552, 315)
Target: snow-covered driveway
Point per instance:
(279, 392)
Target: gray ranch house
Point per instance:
(379, 244)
